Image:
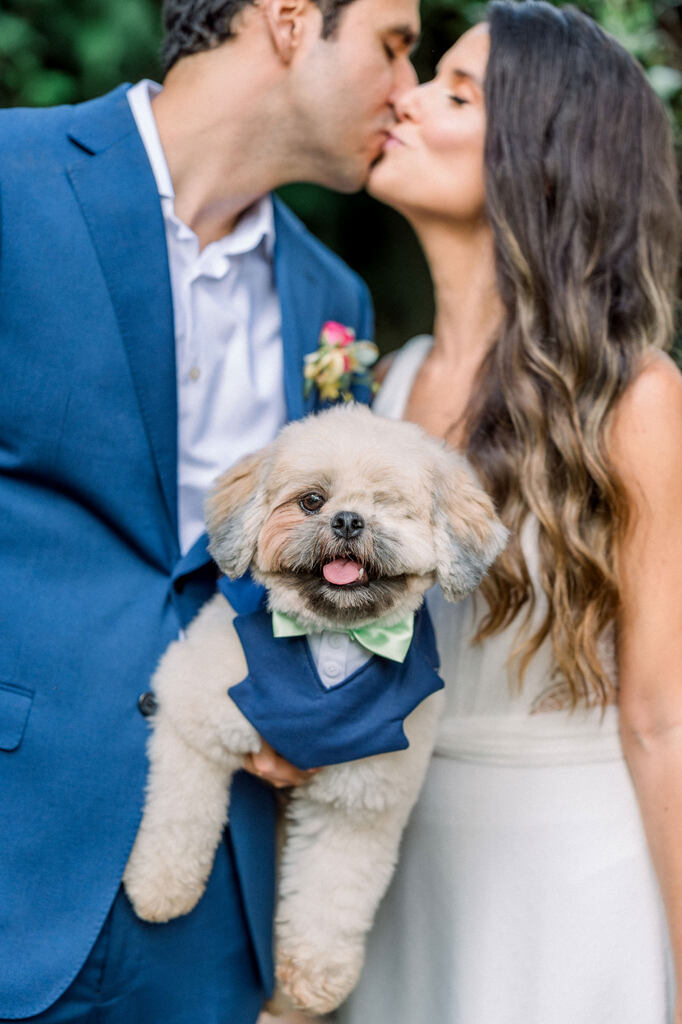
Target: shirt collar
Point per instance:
(256, 224)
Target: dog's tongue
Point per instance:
(341, 571)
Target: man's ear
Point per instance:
(286, 21)
(468, 534)
(235, 513)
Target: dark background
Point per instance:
(52, 51)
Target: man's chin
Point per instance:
(357, 172)
(352, 179)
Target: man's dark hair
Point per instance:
(195, 25)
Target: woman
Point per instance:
(537, 171)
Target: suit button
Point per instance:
(147, 703)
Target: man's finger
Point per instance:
(267, 764)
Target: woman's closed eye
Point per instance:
(459, 100)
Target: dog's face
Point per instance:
(348, 518)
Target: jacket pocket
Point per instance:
(15, 705)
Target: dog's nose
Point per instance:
(347, 524)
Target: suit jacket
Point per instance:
(92, 583)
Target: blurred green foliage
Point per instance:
(64, 51)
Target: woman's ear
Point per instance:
(235, 513)
(468, 534)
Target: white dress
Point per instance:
(525, 892)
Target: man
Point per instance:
(155, 307)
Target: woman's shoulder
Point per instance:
(645, 439)
(658, 378)
(653, 396)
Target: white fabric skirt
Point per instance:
(524, 895)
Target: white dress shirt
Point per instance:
(228, 357)
(228, 335)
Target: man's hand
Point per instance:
(268, 765)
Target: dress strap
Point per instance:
(391, 400)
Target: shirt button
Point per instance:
(332, 669)
(147, 703)
(335, 640)
(194, 373)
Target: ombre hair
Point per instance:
(580, 183)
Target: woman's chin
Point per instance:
(383, 180)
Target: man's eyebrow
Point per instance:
(408, 35)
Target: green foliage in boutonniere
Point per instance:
(339, 363)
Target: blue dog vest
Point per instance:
(310, 725)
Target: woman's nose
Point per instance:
(407, 104)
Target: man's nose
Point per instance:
(406, 105)
(405, 79)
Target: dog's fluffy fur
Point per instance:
(425, 520)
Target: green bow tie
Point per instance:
(389, 641)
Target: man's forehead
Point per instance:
(394, 17)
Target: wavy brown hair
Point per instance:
(581, 195)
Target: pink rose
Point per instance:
(336, 334)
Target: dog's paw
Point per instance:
(318, 982)
(160, 895)
(279, 1005)
(158, 907)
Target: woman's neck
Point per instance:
(468, 307)
(468, 315)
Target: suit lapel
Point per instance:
(301, 299)
(117, 193)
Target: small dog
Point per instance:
(346, 519)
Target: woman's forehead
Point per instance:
(469, 55)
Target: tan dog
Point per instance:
(346, 519)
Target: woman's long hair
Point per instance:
(581, 196)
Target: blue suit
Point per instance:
(93, 586)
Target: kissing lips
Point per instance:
(392, 142)
(344, 572)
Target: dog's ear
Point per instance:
(468, 534)
(235, 512)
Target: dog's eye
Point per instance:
(312, 502)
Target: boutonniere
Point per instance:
(339, 363)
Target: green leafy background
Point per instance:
(52, 51)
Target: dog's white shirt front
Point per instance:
(336, 656)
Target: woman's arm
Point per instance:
(646, 448)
